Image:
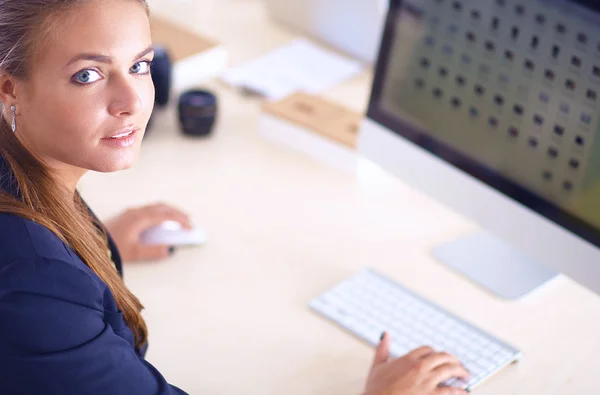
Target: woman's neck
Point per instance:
(67, 175)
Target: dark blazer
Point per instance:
(60, 330)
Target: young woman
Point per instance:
(77, 94)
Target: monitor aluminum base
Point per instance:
(494, 265)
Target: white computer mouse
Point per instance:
(172, 233)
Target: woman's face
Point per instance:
(89, 83)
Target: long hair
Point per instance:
(24, 24)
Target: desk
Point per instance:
(282, 228)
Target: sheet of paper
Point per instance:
(300, 66)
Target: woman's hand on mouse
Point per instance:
(418, 373)
(127, 228)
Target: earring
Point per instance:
(13, 109)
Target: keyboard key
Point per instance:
(460, 383)
(450, 382)
(494, 348)
(506, 354)
(499, 358)
(474, 369)
(487, 352)
(471, 356)
(485, 364)
(370, 335)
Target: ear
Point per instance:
(8, 90)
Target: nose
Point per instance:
(125, 97)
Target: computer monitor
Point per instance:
(351, 26)
(492, 107)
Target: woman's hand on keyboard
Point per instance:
(419, 373)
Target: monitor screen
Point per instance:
(506, 90)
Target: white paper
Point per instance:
(298, 66)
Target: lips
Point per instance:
(123, 133)
(121, 140)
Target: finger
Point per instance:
(382, 354)
(450, 391)
(152, 252)
(432, 361)
(149, 218)
(178, 215)
(420, 353)
(446, 372)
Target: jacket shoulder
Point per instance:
(22, 239)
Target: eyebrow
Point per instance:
(104, 58)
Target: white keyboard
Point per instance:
(368, 304)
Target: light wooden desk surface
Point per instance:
(231, 317)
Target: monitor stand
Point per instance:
(495, 265)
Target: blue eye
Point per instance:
(142, 67)
(87, 77)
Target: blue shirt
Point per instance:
(61, 332)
